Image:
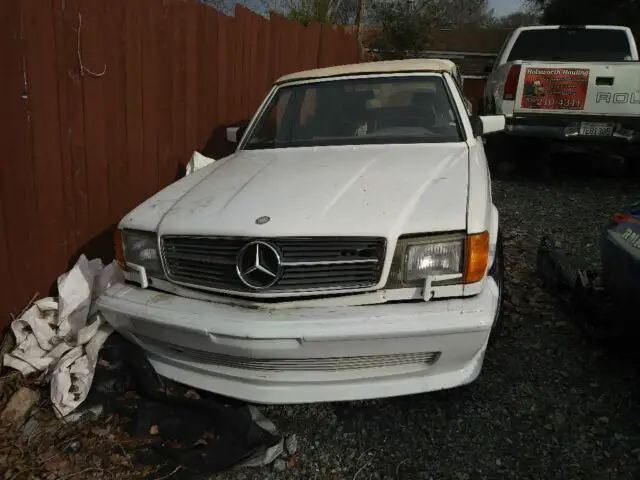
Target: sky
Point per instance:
(504, 7)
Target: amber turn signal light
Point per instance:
(476, 257)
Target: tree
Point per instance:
(326, 12)
(583, 12)
(406, 26)
(455, 13)
(517, 19)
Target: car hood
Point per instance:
(364, 190)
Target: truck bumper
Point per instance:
(567, 128)
(304, 355)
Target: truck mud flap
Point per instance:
(577, 290)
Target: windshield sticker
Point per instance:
(555, 88)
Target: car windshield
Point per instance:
(572, 44)
(374, 110)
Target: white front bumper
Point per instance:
(302, 355)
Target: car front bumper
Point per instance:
(303, 355)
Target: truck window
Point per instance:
(572, 44)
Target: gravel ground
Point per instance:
(547, 405)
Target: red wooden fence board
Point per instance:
(150, 27)
(133, 119)
(70, 120)
(80, 150)
(40, 52)
(115, 84)
(16, 186)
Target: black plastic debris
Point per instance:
(580, 291)
(200, 434)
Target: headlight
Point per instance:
(141, 248)
(429, 259)
(457, 258)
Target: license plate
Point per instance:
(590, 129)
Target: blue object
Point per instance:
(620, 251)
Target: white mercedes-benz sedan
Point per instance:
(349, 248)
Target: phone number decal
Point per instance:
(555, 88)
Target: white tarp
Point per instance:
(62, 337)
(197, 162)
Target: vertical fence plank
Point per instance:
(70, 118)
(252, 48)
(93, 58)
(18, 248)
(205, 54)
(49, 196)
(179, 92)
(165, 72)
(150, 61)
(115, 83)
(291, 30)
(134, 101)
(308, 47)
(191, 57)
(264, 47)
(223, 57)
(210, 67)
(275, 35)
(328, 48)
(239, 64)
(226, 50)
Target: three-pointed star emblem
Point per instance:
(259, 265)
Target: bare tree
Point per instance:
(341, 12)
(517, 19)
(463, 12)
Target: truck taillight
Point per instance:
(511, 84)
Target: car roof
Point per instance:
(386, 66)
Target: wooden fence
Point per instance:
(102, 102)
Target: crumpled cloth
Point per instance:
(197, 162)
(62, 337)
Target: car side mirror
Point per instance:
(486, 124)
(235, 132)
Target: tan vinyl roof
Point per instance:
(388, 66)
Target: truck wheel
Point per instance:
(497, 273)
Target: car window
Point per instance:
(272, 121)
(367, 110)
(571, 44)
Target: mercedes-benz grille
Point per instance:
(276, 265)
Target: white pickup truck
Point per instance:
(348, 249)
(576, 84)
